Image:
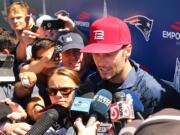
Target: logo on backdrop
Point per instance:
(82, 20)
(176, 26)
(176, 81)
(174, 33)
(142, 23)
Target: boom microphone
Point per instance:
(44, 123)
(99, 105)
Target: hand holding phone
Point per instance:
(25, 82)
(62, 12)
(57, 50)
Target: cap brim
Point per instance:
(71, 46)
(101, 48)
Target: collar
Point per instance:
(130, 80)
(132, 76)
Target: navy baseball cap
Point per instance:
(70, 41)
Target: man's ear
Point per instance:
(29, 21)
(60, 57)
(128, 50)
(6, 51)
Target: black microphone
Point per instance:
(44, 123)
(99, 105)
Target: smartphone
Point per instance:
(54, 24)
(34, 28)
(55, 55)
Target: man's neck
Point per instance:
(119, 78)
(18, 34)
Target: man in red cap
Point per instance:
(110, 46)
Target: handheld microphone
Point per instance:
(137, 104)
(44, 123)
(99, 105)
(79, 108)
(81, 104)
(122, 109)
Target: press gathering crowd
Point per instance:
(53, 66)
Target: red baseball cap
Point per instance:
(107, 34)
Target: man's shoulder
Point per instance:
(145, 79)
(94, 77)
(148, 86)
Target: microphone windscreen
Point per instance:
(137, 104)
(62, 111)
(102, 101)
(119, 96)
(88, 95)
(44, 123)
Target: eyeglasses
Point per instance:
(65, 91)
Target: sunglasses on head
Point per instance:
(64, 91)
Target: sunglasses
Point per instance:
(65, 91)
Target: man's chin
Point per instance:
(77, 69)
(62, 104)
(105, 77)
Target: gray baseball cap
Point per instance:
(70, 41)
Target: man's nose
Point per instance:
(59, 94)
(15, 20)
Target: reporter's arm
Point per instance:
(27, 37)
(18, 113)
(21, 91)
(37, 66)
(16, 128)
